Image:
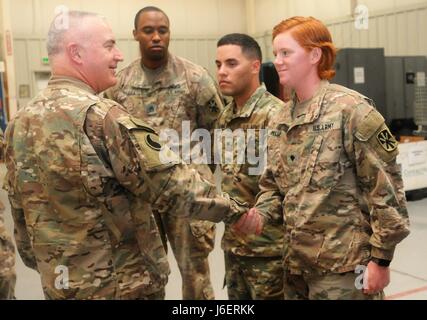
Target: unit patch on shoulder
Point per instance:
(152, 141)
(386, 140)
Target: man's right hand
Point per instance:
(250, 223)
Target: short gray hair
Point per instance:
(61, 24)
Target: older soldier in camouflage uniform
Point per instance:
(7, 253)
(82, 174)
(253, 264)
(333, 167)
(164, 90)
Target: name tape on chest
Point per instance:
(324, 127)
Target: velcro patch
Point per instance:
(154, 155)
(369, 125)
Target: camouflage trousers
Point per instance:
(7, 287)
(253, 278)
(160, 295)
(7, 265)
(191, 242)
(333, 286)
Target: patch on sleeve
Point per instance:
(152, 154)
(383, 143)
(152, 141)
(374, 132)
(369, 125)
(386, 140)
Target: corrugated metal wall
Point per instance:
(399, 33)
(402, 32)
(29, 52)
(195, 25)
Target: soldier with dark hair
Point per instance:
(253, 263)
(165, 90)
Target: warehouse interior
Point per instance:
(383, 54)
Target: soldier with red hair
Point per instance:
(332, 167)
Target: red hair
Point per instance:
(311, 33)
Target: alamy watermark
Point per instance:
(361, 13)
(62, 280)
(241, 146)
(62, 18)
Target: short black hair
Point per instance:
(249, 45)
(148, 9)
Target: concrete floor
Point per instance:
(408, 276)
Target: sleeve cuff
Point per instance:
(237, 208)
(263, 214)
(382, 253)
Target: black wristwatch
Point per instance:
(381, 262)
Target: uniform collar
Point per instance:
(313, 108)
(58, 80)
(249, 107)
(162, 77)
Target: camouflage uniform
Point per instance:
(253, 264)
(82, 174)
(165, 98)
(332, 164)
(7, 262)
(7, 253)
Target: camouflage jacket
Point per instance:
(236, 180)
(165, 98)
(7, 253)
(81, 176)
(7, 261)
(333, 167)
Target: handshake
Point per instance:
(251, 222)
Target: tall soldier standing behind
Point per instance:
(253, 263)
(333, 166)
(7, 253)
(83, 173)
(164, 90)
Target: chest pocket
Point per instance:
(251, 151)
(276, 161)
(159, 108)
(324, 168)
(248, 151)
(182, 108)
(132, 100)
(94, 172)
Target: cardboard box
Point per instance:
(406, 139)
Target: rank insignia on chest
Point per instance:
(151, 109)
(386, 140)
(292, 159)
